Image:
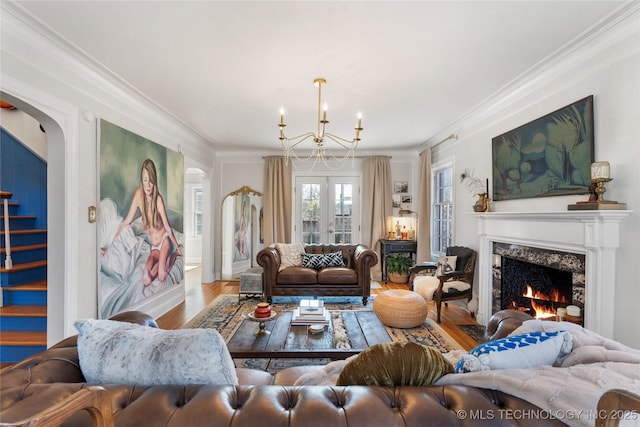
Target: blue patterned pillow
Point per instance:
(519, 351)
(318, 261)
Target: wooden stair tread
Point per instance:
(23, 338)
(29, 231)
(19, 217)
(25, 266)
(38, 285)
(25, 247)
(24, 311)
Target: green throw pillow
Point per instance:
(395, 364)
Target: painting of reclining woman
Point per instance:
(140, 220)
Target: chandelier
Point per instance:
(319, 151)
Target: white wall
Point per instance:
(607, 67)
(67, 93)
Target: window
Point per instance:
(442, 227)
(197, 212)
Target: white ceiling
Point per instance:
(412, 68)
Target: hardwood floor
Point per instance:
(199, 295)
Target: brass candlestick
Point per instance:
(600, 190)
(600, 173)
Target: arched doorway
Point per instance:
(57, 119)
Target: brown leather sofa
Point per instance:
(354, 279)
(52, 381)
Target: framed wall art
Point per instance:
(549, 156)
(400, 187)
(140, 221)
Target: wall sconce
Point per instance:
(600, 173)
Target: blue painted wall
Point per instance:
(25, 175)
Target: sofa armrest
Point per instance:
(615, 405)
(364, 259)
(503, 322)
(94, 399)
(269, 260)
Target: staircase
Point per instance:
(23, 315)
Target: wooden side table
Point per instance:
(395, 246)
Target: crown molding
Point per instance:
(95, 80)
(622, 24)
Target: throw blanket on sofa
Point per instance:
(570, 390)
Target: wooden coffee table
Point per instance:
(364, 329)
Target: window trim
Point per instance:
(436, 168)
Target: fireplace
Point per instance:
(536, 281)
(587, 237)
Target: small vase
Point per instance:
(263, 310)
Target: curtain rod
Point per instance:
(452, 136)
(355, 157)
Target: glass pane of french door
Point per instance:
(327, 210)
(342, 213)
(310, 212)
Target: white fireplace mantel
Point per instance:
(593, 233)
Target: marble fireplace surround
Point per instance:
(592, 233)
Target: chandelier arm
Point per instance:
(345, 143)
(298, 139)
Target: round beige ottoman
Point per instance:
(399, 308)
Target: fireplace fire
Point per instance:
(539, 302)
(535, 289)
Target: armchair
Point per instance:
(446, 286)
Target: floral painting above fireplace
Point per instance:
(549, 156)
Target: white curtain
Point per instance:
(377, 205)
(423, 235)
(277, 201)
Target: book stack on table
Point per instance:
(311, 312)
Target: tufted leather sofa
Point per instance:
(354, 279)
(53, 377)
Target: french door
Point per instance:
(327, 210)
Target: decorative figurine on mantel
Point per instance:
(482, 204)
(600, 173)
(474, 185)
